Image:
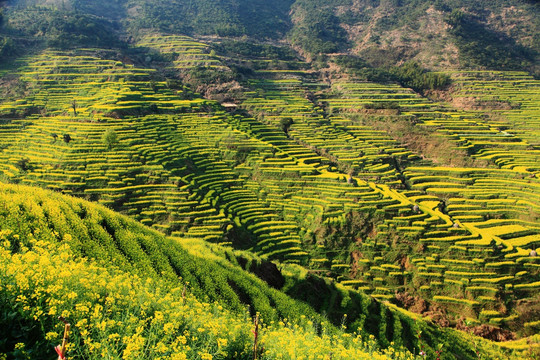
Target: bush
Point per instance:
(412, 75)
(64, 29)
(319, 31)
(285, 124)
(24, 164)
(110, 138)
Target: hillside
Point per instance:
(131, 293)
(146, 167)
(290, 153)
(65, 256)
(446, 34)
(440, 34)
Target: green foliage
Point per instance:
(318, 30)
(24, 164)
(285, 124)
(360, 69)
(353, 226)
(6, 43)
(248, 49)
(350, 62)
(412, 75)
(109, 9)
(202, 75)
(401, 13)
(110, 138)
(64, 29)
(483, 47)
(258, 18)
(7, 47)
(203, 79)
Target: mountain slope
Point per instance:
(443, 34)
(385, 33)
(372, 194)
(260, 19)
(107, 276)
(329, 192)
(124, 273)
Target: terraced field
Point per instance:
(288, 181)
(512, 101)
(523, 234)
(187, 52)
(140, 174)
(357, 149)
(69, 153)
(494, 210)
(482, 221)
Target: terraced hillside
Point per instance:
(264, 184)
(304, 171)
(493, 209)
(512, 101)
(184, 287)
(131, 293)
(285, 101)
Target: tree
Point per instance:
(67, 138)
(285, 124)
(110, 138)
(24, 164)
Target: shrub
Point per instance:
(110, 138)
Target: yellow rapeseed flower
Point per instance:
(205, 356)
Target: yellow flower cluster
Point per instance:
(117, 315)
(293, 341)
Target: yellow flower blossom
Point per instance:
(205, 356)
(179, 356)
